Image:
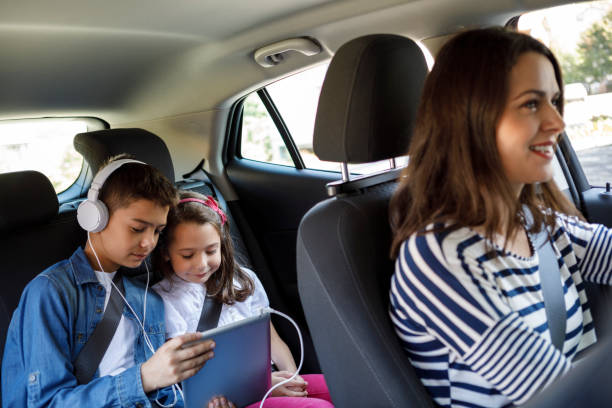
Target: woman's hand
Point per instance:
(294, 388)
(220, 402)
(172, 363)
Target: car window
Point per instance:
(580, 35)
(295, 98)
(261, 139)
(299, 113)
(44, 145)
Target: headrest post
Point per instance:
(345, 172)
(392, 163)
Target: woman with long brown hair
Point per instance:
(466, 297)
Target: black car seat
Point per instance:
(33, 236)
(366, 111)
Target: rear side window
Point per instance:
(261, 140)
(296, 98)
(293, 101)
(44, 145)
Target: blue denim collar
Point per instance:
(81, 268)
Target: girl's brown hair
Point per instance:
(221, 284)
(455, 176)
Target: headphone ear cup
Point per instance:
(92, 215)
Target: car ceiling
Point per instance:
(127, 60)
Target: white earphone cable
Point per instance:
(270, 310)
(148, 342)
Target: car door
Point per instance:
(275, 190)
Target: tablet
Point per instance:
(240, 369)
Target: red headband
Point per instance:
(210, 203)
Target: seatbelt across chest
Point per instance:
(552, 288)
(91, 354)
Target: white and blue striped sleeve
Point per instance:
(460, 306)
(592, 245)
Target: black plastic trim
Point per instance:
(576, 174)
(573, 191)
(573, 164)
(282, 128)
(344, 187)
(232, 143)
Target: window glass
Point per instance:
(44, 145)
(580, 35)
(296, 98)
(261, 140)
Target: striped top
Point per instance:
(474, 324)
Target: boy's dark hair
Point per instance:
(135, 181)
(221, 284)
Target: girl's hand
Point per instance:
(220, 402)
(171, 363)
(294, 388)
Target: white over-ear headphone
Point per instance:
(92, 213)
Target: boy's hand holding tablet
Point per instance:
(173, 363)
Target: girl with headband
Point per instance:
(196, 258)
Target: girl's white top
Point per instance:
(183, 303)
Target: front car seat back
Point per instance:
(33, 236)
(366, 113)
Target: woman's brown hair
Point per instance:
(455, 176)
(221, 284)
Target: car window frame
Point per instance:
(234, 134)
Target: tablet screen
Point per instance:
(240, 369)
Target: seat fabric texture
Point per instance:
(366, 112)
(33, 236)
(96, 147)
(369, 100)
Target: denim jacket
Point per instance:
(57, 313)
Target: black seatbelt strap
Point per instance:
(91, 354)
(552, 289)
(209, 318)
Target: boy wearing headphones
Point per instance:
(48, 360)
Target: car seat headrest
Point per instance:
(28, 198)
(369, 99)
(145, 146)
